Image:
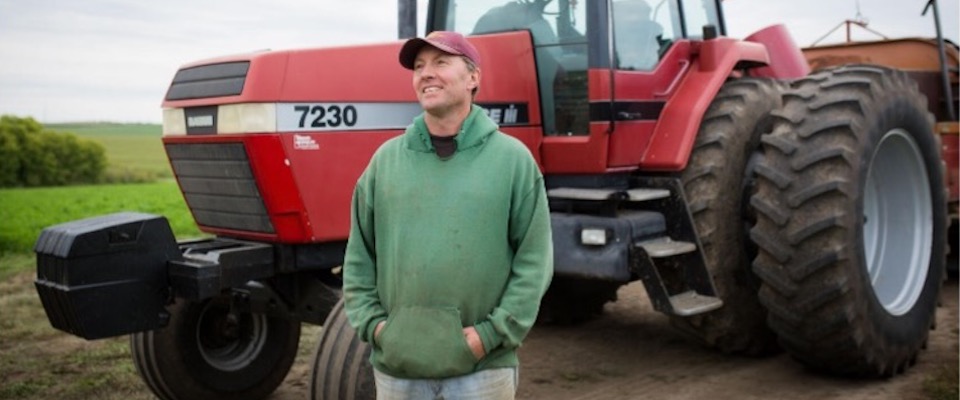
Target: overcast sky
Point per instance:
(112, 60)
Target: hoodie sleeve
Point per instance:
(532, 269)
(361, 298)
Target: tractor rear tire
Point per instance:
(851, 222)
(341, 366)
(204, 353)
(717, 183)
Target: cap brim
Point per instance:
(410, 49)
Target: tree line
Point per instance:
(33, 156)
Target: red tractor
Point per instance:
(762, 207)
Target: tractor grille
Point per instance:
(219, 186)
(213, 80)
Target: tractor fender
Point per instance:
(713, 62)
(786, 58)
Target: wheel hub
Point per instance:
(228, 341)
(897, 222)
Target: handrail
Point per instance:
(684, 66)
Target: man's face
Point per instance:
(443, 81)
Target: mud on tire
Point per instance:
(717, 184)
(203, 353)
(851, 221)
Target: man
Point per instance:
(450, 249)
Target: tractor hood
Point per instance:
(356, 88)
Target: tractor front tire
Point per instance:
(341, 366)
(205, 352)
(851, 222)
(718, 185)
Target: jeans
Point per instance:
(490, 384)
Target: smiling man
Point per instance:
(450, 249)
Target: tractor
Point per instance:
(763, 207)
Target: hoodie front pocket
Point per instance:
(425, 342)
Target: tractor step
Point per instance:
(666, 247)
(635, 195)
(656, 240)
(664, 252)
(692, 303)
(647, 194)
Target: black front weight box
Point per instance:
(106, 276)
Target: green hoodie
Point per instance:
(438, 245)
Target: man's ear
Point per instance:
(474, 79)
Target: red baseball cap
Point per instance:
(446, 41)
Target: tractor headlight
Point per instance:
(247, 118)
(174, 122)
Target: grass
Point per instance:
(93, 129)
(14, 263)
(942, 385)
(135, 151)
(26, 211)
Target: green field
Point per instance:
(40, 362)
(134, 151)
(135, 154)
(108, 129)
(26, 211)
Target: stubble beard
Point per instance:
(443, 108)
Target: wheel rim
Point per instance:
(230, 342)
(898, 222)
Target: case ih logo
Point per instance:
(301, 142)
(201, 120)
(507, 113)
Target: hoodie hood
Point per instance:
(476, 128)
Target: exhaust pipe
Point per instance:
(406, 19)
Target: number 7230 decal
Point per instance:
(344, 117)
(333, 116)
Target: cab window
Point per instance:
(644, 29)
(558, 29)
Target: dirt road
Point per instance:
(631, 352)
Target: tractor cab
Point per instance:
(570, 38)
(605, 71)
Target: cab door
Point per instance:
(652, 52)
